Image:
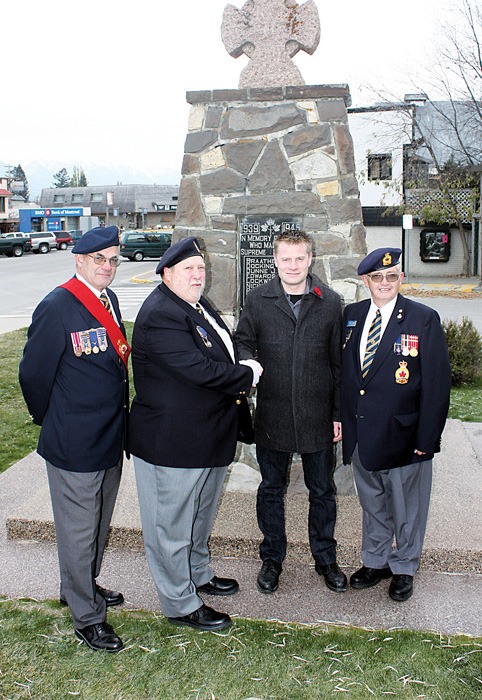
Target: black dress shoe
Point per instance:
(100, 637)
(367, 577)
(219, 586)
(111, 597)
(401, 587)
(268, 577)
(335, 579)
(204, 618)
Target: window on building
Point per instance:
(96, 197)
(3, 208)
(380, 166)
(77, 197)
(59, 198)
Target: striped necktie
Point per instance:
(199, 309)
(373, 341)
(105, 301)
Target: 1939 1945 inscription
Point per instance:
(256, 249)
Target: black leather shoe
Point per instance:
(367, 577)
(335, 579)
(401, 587)
(111, 597)
(204, 618)
(268, 577)
(219, 586)
(100, 637)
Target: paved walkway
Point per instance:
(448, 588)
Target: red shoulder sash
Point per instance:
(81, 292)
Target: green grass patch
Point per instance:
(41, 658)
(22, 435)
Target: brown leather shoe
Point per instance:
(100, 637)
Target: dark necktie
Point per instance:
(199, 309)
(373, 341)
(105, 301)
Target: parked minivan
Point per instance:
(137, 245)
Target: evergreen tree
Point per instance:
(18, 173)
(61, 179)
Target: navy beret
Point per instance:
(379, 259)
(185, 248)
(97, 239)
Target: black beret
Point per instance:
(185, 248)
(97, 239)
(379, 259)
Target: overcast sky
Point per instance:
(104, 82)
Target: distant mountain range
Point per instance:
(40, 175)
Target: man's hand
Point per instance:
(255, 367)
(336, 431)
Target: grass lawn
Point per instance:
(41, 658)
(466, 402)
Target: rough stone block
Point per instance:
(332, 111)
(329, 243)
(242, 155)
(213, 116)
(314, 166)
(307, 138)
(296, 203)
(306, 92)
(195, 96)
(224, 223)
(251, 120)
(213, 205)
(343, 210)
(222, 181)
(345, 149)
(190, 165)
(343, 267)
(272, 171)
(190, 211)
(221, 283)
(196, 117)
(200, 140)
(349, 187)
(312, 224)
(213, 159)
(331, 188)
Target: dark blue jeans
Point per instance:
(318, 468)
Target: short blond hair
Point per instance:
(293, 237)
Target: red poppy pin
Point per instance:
(317, 291)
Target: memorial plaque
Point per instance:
(256, 249)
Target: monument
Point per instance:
(271, 155)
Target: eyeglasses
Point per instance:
(100, 259)
(379, 276)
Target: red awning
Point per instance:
(5, 193)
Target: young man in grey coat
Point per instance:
(292, 326)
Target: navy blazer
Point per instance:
(396, 408)
(80, 402)
(184, 413)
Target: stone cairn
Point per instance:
(271, 151)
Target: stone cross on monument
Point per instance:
(270, 32)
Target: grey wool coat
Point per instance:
(298, 395)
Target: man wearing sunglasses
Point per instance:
(395, 391)
(73, 376)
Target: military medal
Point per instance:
(94, 340)
(204, 335)
(413, 345)
(402, 374)
(76, 343)
(102, 336)
(397, 346)
(85, 342)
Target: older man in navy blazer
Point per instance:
(183, 433)
(73, 376)
(395, 392)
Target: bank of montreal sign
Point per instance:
(65, 211)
